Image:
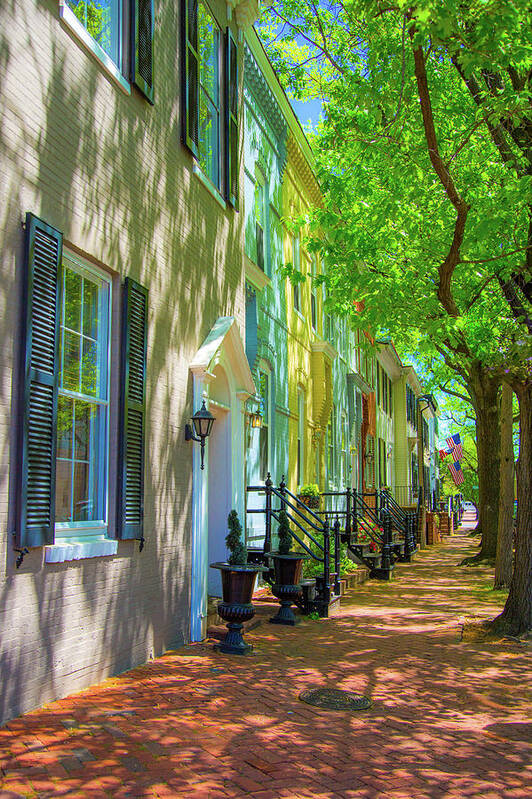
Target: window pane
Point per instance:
(65, 412)
(83, 506)
(89, 368)
(208, 46)
(72, 299)
(71, 358)
(101, 18)
(208, 139)
(63, 491)
(90, 309)
(209, 95)
(84, 414)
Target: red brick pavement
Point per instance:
(449, 718)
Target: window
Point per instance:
(202, 97)
(313, 295)
(62, 476)
(260, 222)
(209, 95)
(296, 263)
(331, 445)
(382, 462)
(300, 436)
(264, 433)
(100, 25)
(82, 417)
(343, 451)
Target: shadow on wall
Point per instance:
(114, 177)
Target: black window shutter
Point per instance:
(142, 46)
(190, 75)
(39, 372)
(231, 120)
(130, 499)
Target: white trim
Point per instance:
(104, 281)
(59, 553)
(223, 346)
(83, 36)
(209, 185)
(255, 275)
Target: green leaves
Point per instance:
(388, 228)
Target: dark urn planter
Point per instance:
(310, 501)
(287, 586)
(235, 608)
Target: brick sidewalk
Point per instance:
(449, 718)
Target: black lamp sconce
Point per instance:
(202, 421)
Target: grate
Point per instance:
(334, 699)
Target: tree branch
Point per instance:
(446, 269)
(463, 397)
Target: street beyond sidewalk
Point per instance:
(450, 717)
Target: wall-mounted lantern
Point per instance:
(255, 419)
(202, 421)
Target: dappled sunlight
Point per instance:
(448, 718)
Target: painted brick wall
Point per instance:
(109, 171)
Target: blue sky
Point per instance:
(307, 112)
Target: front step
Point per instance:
(371, 560)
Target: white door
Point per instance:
(219, 493)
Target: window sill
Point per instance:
(59, 553)
(211, 188)
(82, 35)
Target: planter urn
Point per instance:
(311, 501)
(238, 583)
(287, 586)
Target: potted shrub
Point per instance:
(309, 495)
(288, 567)
(238, 583)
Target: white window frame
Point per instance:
(75, 532)
(218, 106)
(112, 67)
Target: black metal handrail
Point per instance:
(393, 506)
(291, 505)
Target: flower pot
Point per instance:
(309, 500)
(287, 586)
(238, 583)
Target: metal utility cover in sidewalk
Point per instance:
(334, 699)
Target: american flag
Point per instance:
(444, 453)
(455, 446)
(457, 473)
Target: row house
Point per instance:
(124, 307)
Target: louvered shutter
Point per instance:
(133, 411)
(38, 417)
(142, 46)
(190, 75)
(231, 120)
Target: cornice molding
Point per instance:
(300, 166)
(324, 347)
(255, 82)
(246, 12)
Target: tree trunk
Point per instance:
(503, 560)
(516, 617)
(483, 389)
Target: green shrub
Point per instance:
(309, 490)
(285, 536)
(238, 552)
